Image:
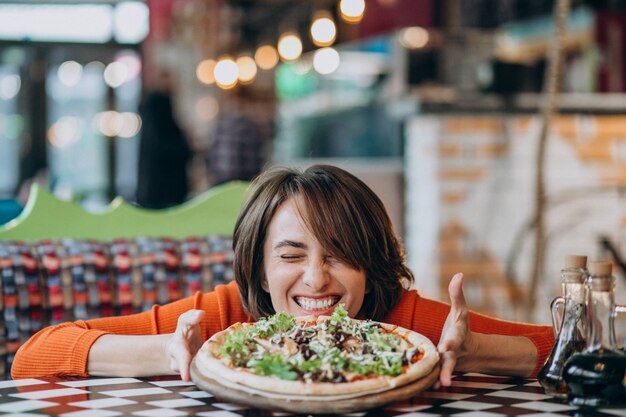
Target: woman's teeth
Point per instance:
(311, 304)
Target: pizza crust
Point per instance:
(209, 364)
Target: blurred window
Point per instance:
(76, 94)
(125, 22)
(11, 125)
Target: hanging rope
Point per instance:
(554, 74)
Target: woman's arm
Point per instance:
(167, 354)
(499, 354)
(119, 343)
(129, 356)
(64, 349)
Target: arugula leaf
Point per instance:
(386, 342)
(339, 315)
(267, 327)
(283, 321)
(273, 365)
(236, 346)
(311, 365)
(377, 365)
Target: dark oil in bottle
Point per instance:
(551, 374)
(596, 378)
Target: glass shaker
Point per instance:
(570, 325)
(595, 377)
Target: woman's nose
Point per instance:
(316, 276)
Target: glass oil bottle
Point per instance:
(595, 377)
(571, 328)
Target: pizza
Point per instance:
(316, 356)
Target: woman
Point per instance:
(304, 242)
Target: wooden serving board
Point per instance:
(312, 404)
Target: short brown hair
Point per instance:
(346, 217)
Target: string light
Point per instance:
(266, 57)
(352, 10)
(323, 29)
(289, 46)
(247, 69)
(226, 73)
(204, 71)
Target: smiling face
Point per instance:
(301, 277)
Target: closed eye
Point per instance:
(290, 256)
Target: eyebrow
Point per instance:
(290, 243)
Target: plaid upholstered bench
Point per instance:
(60, 263)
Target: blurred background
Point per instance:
(435, 104)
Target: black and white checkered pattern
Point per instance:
(470, 395)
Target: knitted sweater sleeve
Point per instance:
(63, 349)
(428, 317)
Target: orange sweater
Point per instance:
(63, 349)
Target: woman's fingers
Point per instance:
(454, 332)
(184, 360)
(185, 342)
(188, 319)
(448, 362)
(455, 289)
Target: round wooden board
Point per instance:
(319, 405)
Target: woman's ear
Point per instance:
(264, 284)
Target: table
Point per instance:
(470, 395)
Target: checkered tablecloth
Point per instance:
(470, 395)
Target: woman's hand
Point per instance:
(185, 342)
(456, 337)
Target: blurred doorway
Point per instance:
(70, 85)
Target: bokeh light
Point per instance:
(204, 71)
(116, 74)
(65, 131)
(129, 124)
(247, 69)
(352, 10)
(226, 73)
(132, 62)
(95, 66)
(326, 60)
(10, 86)
(289, 46)
(108, 123)
(323, 30)
(207, 108)
(266, 57)
(70, 73)
(414, 37)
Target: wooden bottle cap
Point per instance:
(575, 261)
(597, 268)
